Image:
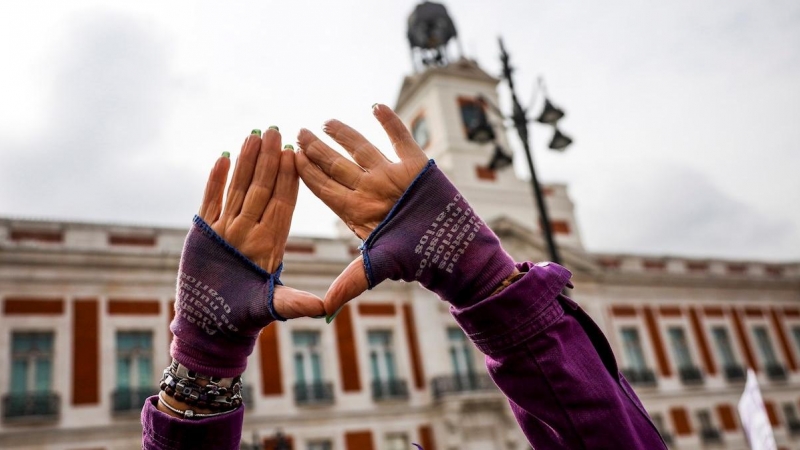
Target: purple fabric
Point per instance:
(160, 431)
(542, 350)
(555, 366)
(223, 302)
(546, 355)
(433, 236)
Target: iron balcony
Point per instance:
(450, 384)
(130, 399)
(691, 375)
(640, 376)
(34, 405)
(735, 372)
(776, 372)
(395, 389)
(313, 393)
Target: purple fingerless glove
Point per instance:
(223, 301)
(433, 236)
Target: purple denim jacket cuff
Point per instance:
(519, 312)
(164, 432)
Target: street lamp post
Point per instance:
(520, 120)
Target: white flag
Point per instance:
(754, 416)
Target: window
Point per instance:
(310, 387)
(704, 417)
(724, 348)
(790, 413)
(708, 432)
(319, 445)
(381, 355)
(765, 346)
(397, 442)
(385, 383)
(680, 347)
(476, 124)
(460, 352)
(134, 359)
(796, 335)
(421, 132)
(31, 362)
(31, 391)
(307, 359)
(658, 421)
(134, 370)
(632, 347)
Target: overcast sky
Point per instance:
(685, 114)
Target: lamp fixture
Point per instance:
(550, 114)
(500, 159)
(560, 141)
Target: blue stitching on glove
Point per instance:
(373, 236)
(367, 269)
(271, 297)
(272, 278)
(367, 244)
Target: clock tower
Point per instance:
(446, 104)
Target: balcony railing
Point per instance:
(34, 405)
(667, 437)
(735, 372)
(776, 372)
(450, 384)
(130, 399)
(710, 435)
(794, 427)
(389, 390)
(640, 376)
(248, 396)
(313, 393)
(691, 375)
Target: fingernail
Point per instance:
(330, 318)
(256, 131)
(374, 105)
(319, 317)
(226, 154)
(288, 147)
(274, 127)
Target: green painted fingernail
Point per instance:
(226, 154)
(288, 147)
(256, 131)
(374, 105)
(274, 127)
(330, 318)
(319, 317)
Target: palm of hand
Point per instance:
(361, 193)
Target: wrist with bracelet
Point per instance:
(205, 396)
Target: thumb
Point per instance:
(351, 283)
(292, 303)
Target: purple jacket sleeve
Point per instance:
(160, 431)
(556, 367)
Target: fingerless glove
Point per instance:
(223, 301)
(433, 236)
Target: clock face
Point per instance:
(421, 132)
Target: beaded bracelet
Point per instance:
(179, 382)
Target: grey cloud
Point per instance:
(89, 161)
(670, 209)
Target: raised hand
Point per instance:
(258, 210)
(360, 193)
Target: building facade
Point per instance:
(85, 310)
